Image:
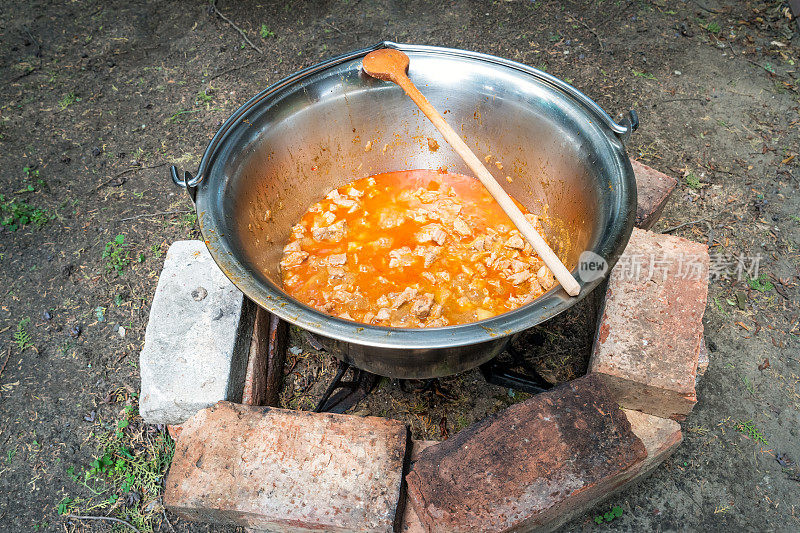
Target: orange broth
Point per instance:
(416, 248)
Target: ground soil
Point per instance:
(99, 98)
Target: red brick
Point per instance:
(650, 330)
(653, 189)
(174, 431)
(660, 436)
(279, 470)
(527, 467)
(411, 522)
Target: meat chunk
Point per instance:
(432, 232)
(401, 257)
(429, 254)
(383, 314)
(382, 242)
(327, 218)
(335, 232)
(326, 307)
(428, 197)
(408, 294)
(293, 259)
(483, 314)
(298, 231)
(293, 246)
(389, 219)
(502, 264)
(516, 242)
(545, 277)
(336, 273)
(421, 305)
(520, 277)
(343, 296)
(461, 227)
(336, 259)
(533, 219)
(518, 266)
(347, 203)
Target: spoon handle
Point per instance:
(495, 189)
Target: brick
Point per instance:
(525, 468)
(197, 338)
(652, 189)
(279, 470)
(411, 522)
(660, 436)
(650, 330)
(174, 431)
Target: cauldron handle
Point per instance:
(630, 122)
(188, 181)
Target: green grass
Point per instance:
(32, 179)
(126, 474)
(608, 516)
(713, 27)
(116, 254)
(265, 32)
(642, 74)
(761, 283)
(68, 100)
(204, 96)
(15, 214)
(747, 428)
(21, 337)
(693, 182)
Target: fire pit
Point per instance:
(518, 462)
(309, 133)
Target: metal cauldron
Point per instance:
(292, 143)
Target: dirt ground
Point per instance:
(97, 99)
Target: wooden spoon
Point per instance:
(392, 65)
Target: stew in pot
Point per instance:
(413, 249)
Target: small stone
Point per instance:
(96, 151)
(650, 331)
(154, 506)
(677, 72)
(121, 332)
(46, 315)
(199, 294)
(703, 361)
(75, 331)
(280, 470)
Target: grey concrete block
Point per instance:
(197, 338)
